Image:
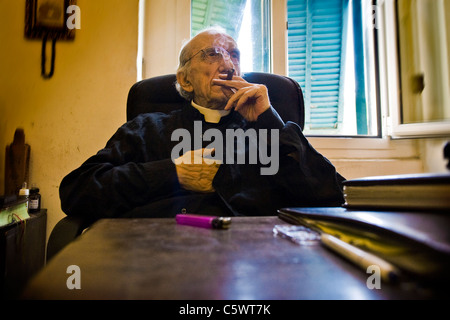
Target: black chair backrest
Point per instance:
(158, 94)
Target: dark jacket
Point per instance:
(134, 175)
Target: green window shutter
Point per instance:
(315, 48)
(227, 14)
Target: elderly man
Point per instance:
(148, 170)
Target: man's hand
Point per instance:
(249, 99)
(196, 171)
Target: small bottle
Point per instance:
(34, 200)
(24, 193)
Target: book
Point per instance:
(418, 243)
(13, 210)
(427, 191)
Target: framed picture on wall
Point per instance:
(48, 17)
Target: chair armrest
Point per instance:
(64, 232)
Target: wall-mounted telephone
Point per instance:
(49, 20)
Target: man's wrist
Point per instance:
(269, 119)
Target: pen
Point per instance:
(389, 273)
(203, 221)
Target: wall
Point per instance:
(432, 154)
(166, 28)
(70, 116)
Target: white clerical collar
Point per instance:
(211, 115)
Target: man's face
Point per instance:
(204, 68)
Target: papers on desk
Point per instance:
(428, 191)
(416, 243)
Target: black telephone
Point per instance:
(50, 20)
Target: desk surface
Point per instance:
(158, 259)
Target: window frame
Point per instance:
(390, 74)
(356, 147)
(371, 94)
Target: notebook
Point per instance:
(417, 243)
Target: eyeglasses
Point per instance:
(215, 54)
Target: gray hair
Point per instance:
(184, 67)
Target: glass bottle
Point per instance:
(34, 200)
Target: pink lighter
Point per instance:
(210, 222)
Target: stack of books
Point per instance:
(428, 191)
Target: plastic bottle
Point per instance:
(24, 193)
(34, 200)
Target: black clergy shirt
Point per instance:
(134, 175)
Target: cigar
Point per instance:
(229, 77)
(230, 74)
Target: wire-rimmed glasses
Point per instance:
(215, 54)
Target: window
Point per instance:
(423, 62)
(423, 28)
(330, 53)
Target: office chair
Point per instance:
(158, 94)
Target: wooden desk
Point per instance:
(158, 259)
